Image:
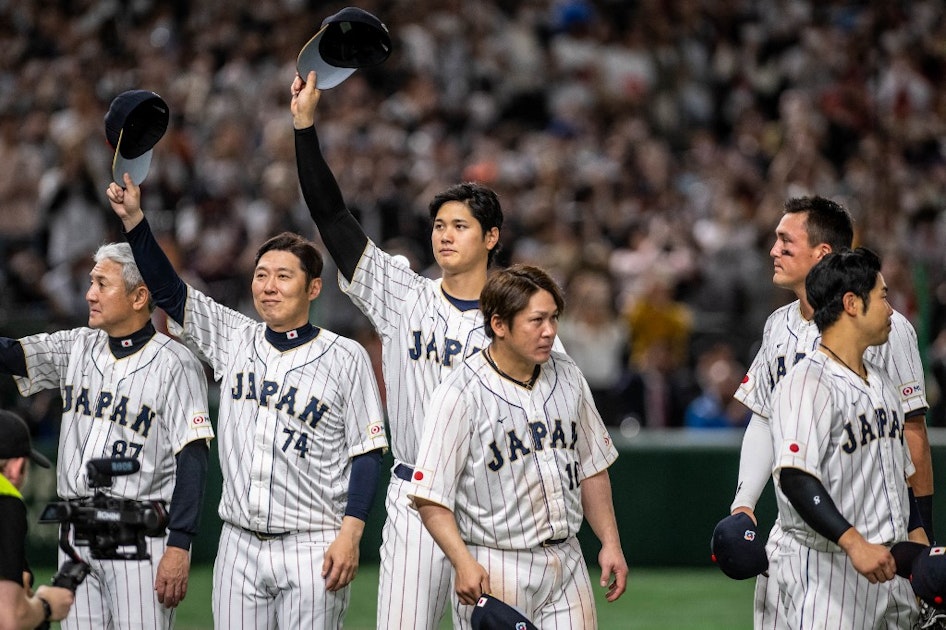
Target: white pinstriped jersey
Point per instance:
(424, 337)
(849, 435)
(148, 405)
(289, 420)
(507, 460)
(788, 337)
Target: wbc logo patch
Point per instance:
(749, 535)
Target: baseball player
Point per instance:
(840, 461)
(513, 454)
(427, 328)
(127, 391)
(810, 228)
(301, 433)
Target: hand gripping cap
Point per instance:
(738, 548)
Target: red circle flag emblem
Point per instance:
(793, 448)
(418, 475)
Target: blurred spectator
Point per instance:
(718, 375)
(595, 337)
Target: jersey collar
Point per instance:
(122, 347)
(461, 305)
(293, 338)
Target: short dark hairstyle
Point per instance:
(482, 202)
(828, 221)
(508, 291)
(304, 250)
(848, 271)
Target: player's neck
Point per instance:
(464, 285)
(807, 310)
(511, 364)
(846, 351)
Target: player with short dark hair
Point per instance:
(301, 432)
(840, 462)
(811, 228)
(127, 391)
(427, 328)
(513, 456)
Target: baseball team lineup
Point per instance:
(499, 451)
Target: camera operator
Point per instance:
(19, 608)
(127, 391)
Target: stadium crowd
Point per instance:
(642, 152)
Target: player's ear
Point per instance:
(491, 237)
(851, 303)
(315, 287)
(140, 297)
(498, 325)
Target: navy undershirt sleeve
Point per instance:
(363, 483)
(342, 234)
(188, 496)
(814, 504)
(167, 289)
(12, 357)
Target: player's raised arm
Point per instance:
(167, 288)
(342, 234)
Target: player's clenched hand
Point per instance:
(612, 563)
(305, 98)
(171, 582)
(126, 202)
(472, 581)
(872, 561)
(341, 558)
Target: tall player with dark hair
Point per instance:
(811, 228)
(301, 432)
(427, 328)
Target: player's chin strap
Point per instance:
(930, 618)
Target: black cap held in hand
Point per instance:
(738, 548)
(347, 40)
(490, 613)
(135, 121)
(926, 569)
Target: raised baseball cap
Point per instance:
(738, 548)
(346, 41)
(490, 613)
(135, 121)
(925, 567)
(15, 440)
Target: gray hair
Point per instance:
(121, 254)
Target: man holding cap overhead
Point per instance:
(18, 607)
(841, 463)
(127, 391)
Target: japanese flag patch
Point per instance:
(422, 477)
(911, 390)
(793, 450)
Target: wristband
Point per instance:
(47, 609)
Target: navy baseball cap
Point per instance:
(135, 121)
(738, 548)
(348, 40)
(925, 567)
(15, 440)
(490, 613)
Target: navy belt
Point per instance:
(551, 542)
(403, 471)
(264, 536)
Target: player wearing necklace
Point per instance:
(840, 461)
